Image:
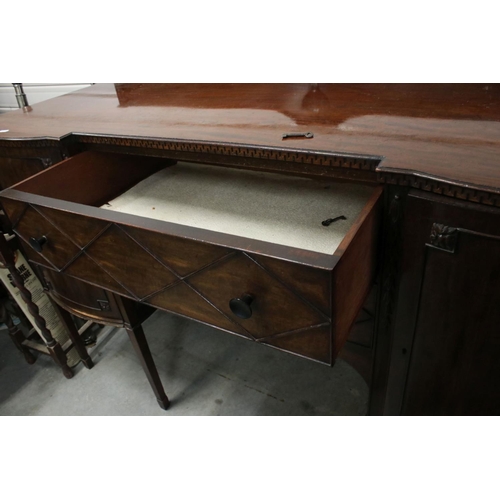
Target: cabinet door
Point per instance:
(446, 342)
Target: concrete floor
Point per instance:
(204, 372)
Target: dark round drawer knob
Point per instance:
(241, 307)
(37, 243)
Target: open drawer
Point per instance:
(240, 250)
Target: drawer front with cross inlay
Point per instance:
(297, 300)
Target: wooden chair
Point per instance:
(26, 338)
(49, 346)
(15, 333)
(84, 301)
(98, 305)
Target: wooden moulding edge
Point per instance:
(274, 250)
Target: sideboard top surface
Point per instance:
(449, 132)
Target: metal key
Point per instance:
(327, 222)
(307, 135)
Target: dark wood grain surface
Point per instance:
(14, 170)
(296, 293)
(445, 343)
(92, 178)
(353, 278)
(437, 337)
(65, 195)
(448, 132)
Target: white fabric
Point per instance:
(258, 205)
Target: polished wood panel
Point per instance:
(310, 283)
(129, 264)
(276, 309)
(93, 303)
(58, 250)
(14, 210)
(454, 367)
(14, 170)
(444, 345)
(119, 263)
(181, 255)
(80, 298)
(314, 343)
(355, 274)
(318, 100)
(85, 269)
(449, 132)
(44, 201)
(78, 229)
(92, 178)
(183, 300)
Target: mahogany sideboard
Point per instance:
(390, 191)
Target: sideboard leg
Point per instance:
(141, 347)
(74, 336)
(389, 277)
(58, 355)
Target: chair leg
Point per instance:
(141, 347)
(58, 355)
(55, 350)
(74, 336)
(16, 335)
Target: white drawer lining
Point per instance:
(258, 205)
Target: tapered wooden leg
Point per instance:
(74, 336)
(141, 347)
